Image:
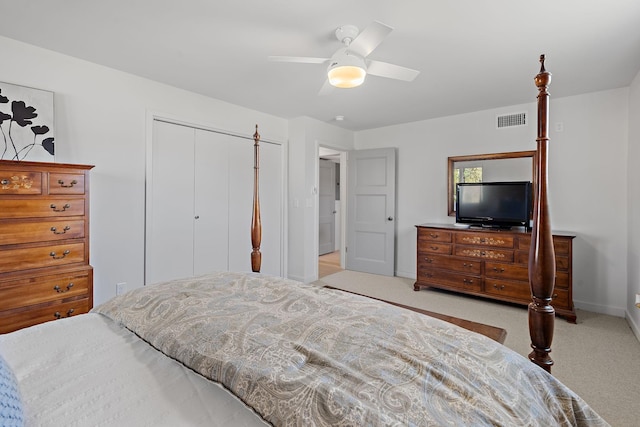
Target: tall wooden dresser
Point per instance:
(489, 263)
(44, 243)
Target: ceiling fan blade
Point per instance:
(370, 38)
(301, 59)
(326, 88)
(384, 69)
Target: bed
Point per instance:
(247, 349)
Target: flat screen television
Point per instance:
(494, 204)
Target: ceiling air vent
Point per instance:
(510, 120)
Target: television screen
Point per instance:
(494, 204)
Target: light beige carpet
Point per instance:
(598, 358)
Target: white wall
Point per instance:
(305, 136)
(587, 179)
(633, 197)
(101, 119)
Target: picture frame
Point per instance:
(26, 124)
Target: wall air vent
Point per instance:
(510, 120)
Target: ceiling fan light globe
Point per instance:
(346, 76)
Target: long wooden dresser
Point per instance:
(44, 243)
(489, 263)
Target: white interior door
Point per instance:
(326, 207)
(371, 211)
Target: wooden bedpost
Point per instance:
(542, 260)
(256, 224)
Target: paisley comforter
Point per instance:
(304, 355)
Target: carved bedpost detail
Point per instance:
(256, 224)
(542, 260)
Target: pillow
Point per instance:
(11, 413)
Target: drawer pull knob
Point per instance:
(71, 184)
(498, 270)
(4, 182)
(554, 296)
(433, 235)
(64, 254)
(60, 290)
(64, 208)
(501, 287)
(57, 314)
(468, 281)
(469, 265)
(429, 260)
(64, 230)
(434, 248)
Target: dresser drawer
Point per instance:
(14, 232)
(560, 245)
(441, 277)
(562, 262)
(41, 208)
(36, 290)
(506, 271)
(66, 183)
(20, 182)
(29, 316)
(484, 253)
(461, 265)
(505, 288)
(434, 247)
(485, 239)
(41, 256)
(434, 235)
(560, 299)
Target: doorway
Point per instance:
(330, 211)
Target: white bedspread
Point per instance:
(86, 371)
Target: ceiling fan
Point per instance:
(349, 66)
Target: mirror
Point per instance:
(514, 166)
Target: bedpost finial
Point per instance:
(542, 70)
(256, 136)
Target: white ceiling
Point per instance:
(471, 54)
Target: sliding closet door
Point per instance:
(211, 209)
(271, 200)
(170, 194)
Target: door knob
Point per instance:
(390, 218)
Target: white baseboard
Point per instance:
(406, 274)
(634, 326)
(599, 308)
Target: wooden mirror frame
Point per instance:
(494, 156)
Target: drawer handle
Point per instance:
(465, 265)
(501, 287)
(483, 253)
(468, 281)
(61, 291)
(64, 254)
(554, 296)
(429, 260)
(4, 182)
(64, 230)
(71, 184)
(57, 314)
(498, 270)
(434, 248)
(433, 235)
(429, 275)
(64, 208)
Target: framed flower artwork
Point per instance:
(26, 124)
